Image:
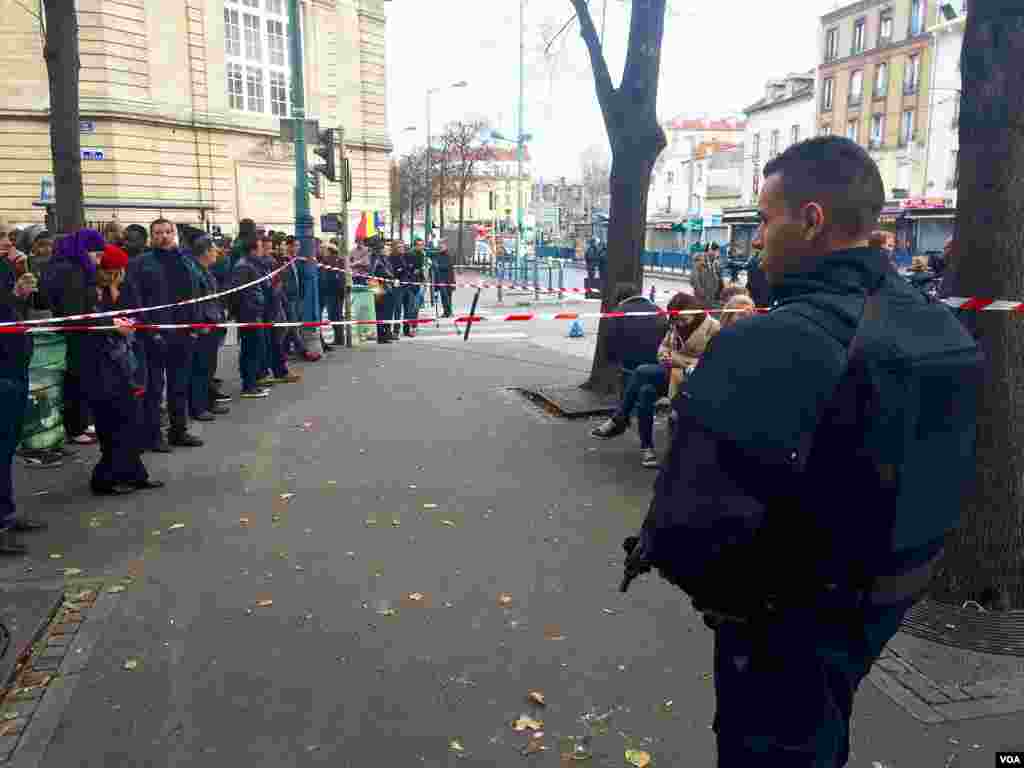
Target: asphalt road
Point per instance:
(434, 548)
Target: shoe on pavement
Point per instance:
(220, 397)
(219, 410)
(253, 394)
(162, 447)
(204, 416)
(84, 439)
(9, 544)
(288, 378)
(649, 458)
(148, 485)
(611, 428)
(265, 382)
(185, 440)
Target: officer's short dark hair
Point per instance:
(246, 227)
(200, 245)
(837, 173)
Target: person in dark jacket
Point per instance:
(202, 404)
(803, 585)
(403, 267)
(116, 381)
(332, 291)
(277, 336)
(949, 257)
(384, 290)
(250, 306)
(162, 277)
(444, 277)
(70, 287)
(15, 353)
(135, 240)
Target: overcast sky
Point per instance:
(715, 58)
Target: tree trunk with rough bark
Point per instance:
(636, 138)
(62, 66)
(984, 559)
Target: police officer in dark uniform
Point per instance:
(821, 454)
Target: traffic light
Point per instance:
(326, 150)
(346, 178)
(314, 183)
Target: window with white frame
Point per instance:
(235, 97)
(795, 134)
(826, 98)
(256, 53)
(877, 130)
(858, 36)
(881, 79)
(757, 144)
(831, 44)
(852, 130)
(826, 130)
(916, 17)
(856, 86)
(907, 127)
(773, 145)
(913, 74)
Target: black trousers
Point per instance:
(156, 365)
(204, 363)
(180, 349)
(118, 428)
(76, 403)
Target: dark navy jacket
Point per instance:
(249, 305)
(770, 488)
(15, 348)
(164, 277)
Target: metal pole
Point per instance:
(346, 261)
(303, 219)
(520, 250)
(430, 190)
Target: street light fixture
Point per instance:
(430, 161)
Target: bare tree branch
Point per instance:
(602, 78)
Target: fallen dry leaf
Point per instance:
(638, 758)
(286, 496)
(243, 521)
(448, 523)
(131, 664)
(55, 556)
(370, 522)
(332, 482)
(552, 632)
(72, 571)
(533, 747)
(264, 603)
(504, 598)
(396, 523)
(114, 589)
(416, 596)
(176, 527)
(456, 746)
(527, 723)
(536, 697)
(430, 506)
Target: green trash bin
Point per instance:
(44, 414)
(364, 309)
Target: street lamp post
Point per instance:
(303, 218)
(430, 189)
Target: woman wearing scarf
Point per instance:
(71, 288)
(115, 381)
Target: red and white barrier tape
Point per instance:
(140, 310)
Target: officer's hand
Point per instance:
(636, 561)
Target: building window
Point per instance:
(954, 164)
(795, 134)
(235, 100)
(916, 17)
(700, 172)
(275, 42)
(278, 95)
(826, 96)
(882, 80)
(831, 44)
(877, 130)
(773, 145)
(826, 130)
(232, 33)
(956, 113)
(671, 178)
(907, 127)
(885, 27)
(851, 130)
(261, 17)
(858, 37)
(856, 86)
(913, 74)
(254, 88)
(757, 144)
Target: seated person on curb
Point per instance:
(687, 338)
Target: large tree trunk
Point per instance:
(62, 67)
(985, 557)
(636, 137)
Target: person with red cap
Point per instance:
(116, 383)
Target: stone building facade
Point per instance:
(184, 99)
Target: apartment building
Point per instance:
(181, 103)
(873, 86)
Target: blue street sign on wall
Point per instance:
(93, 154)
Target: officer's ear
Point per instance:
(814, 221)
